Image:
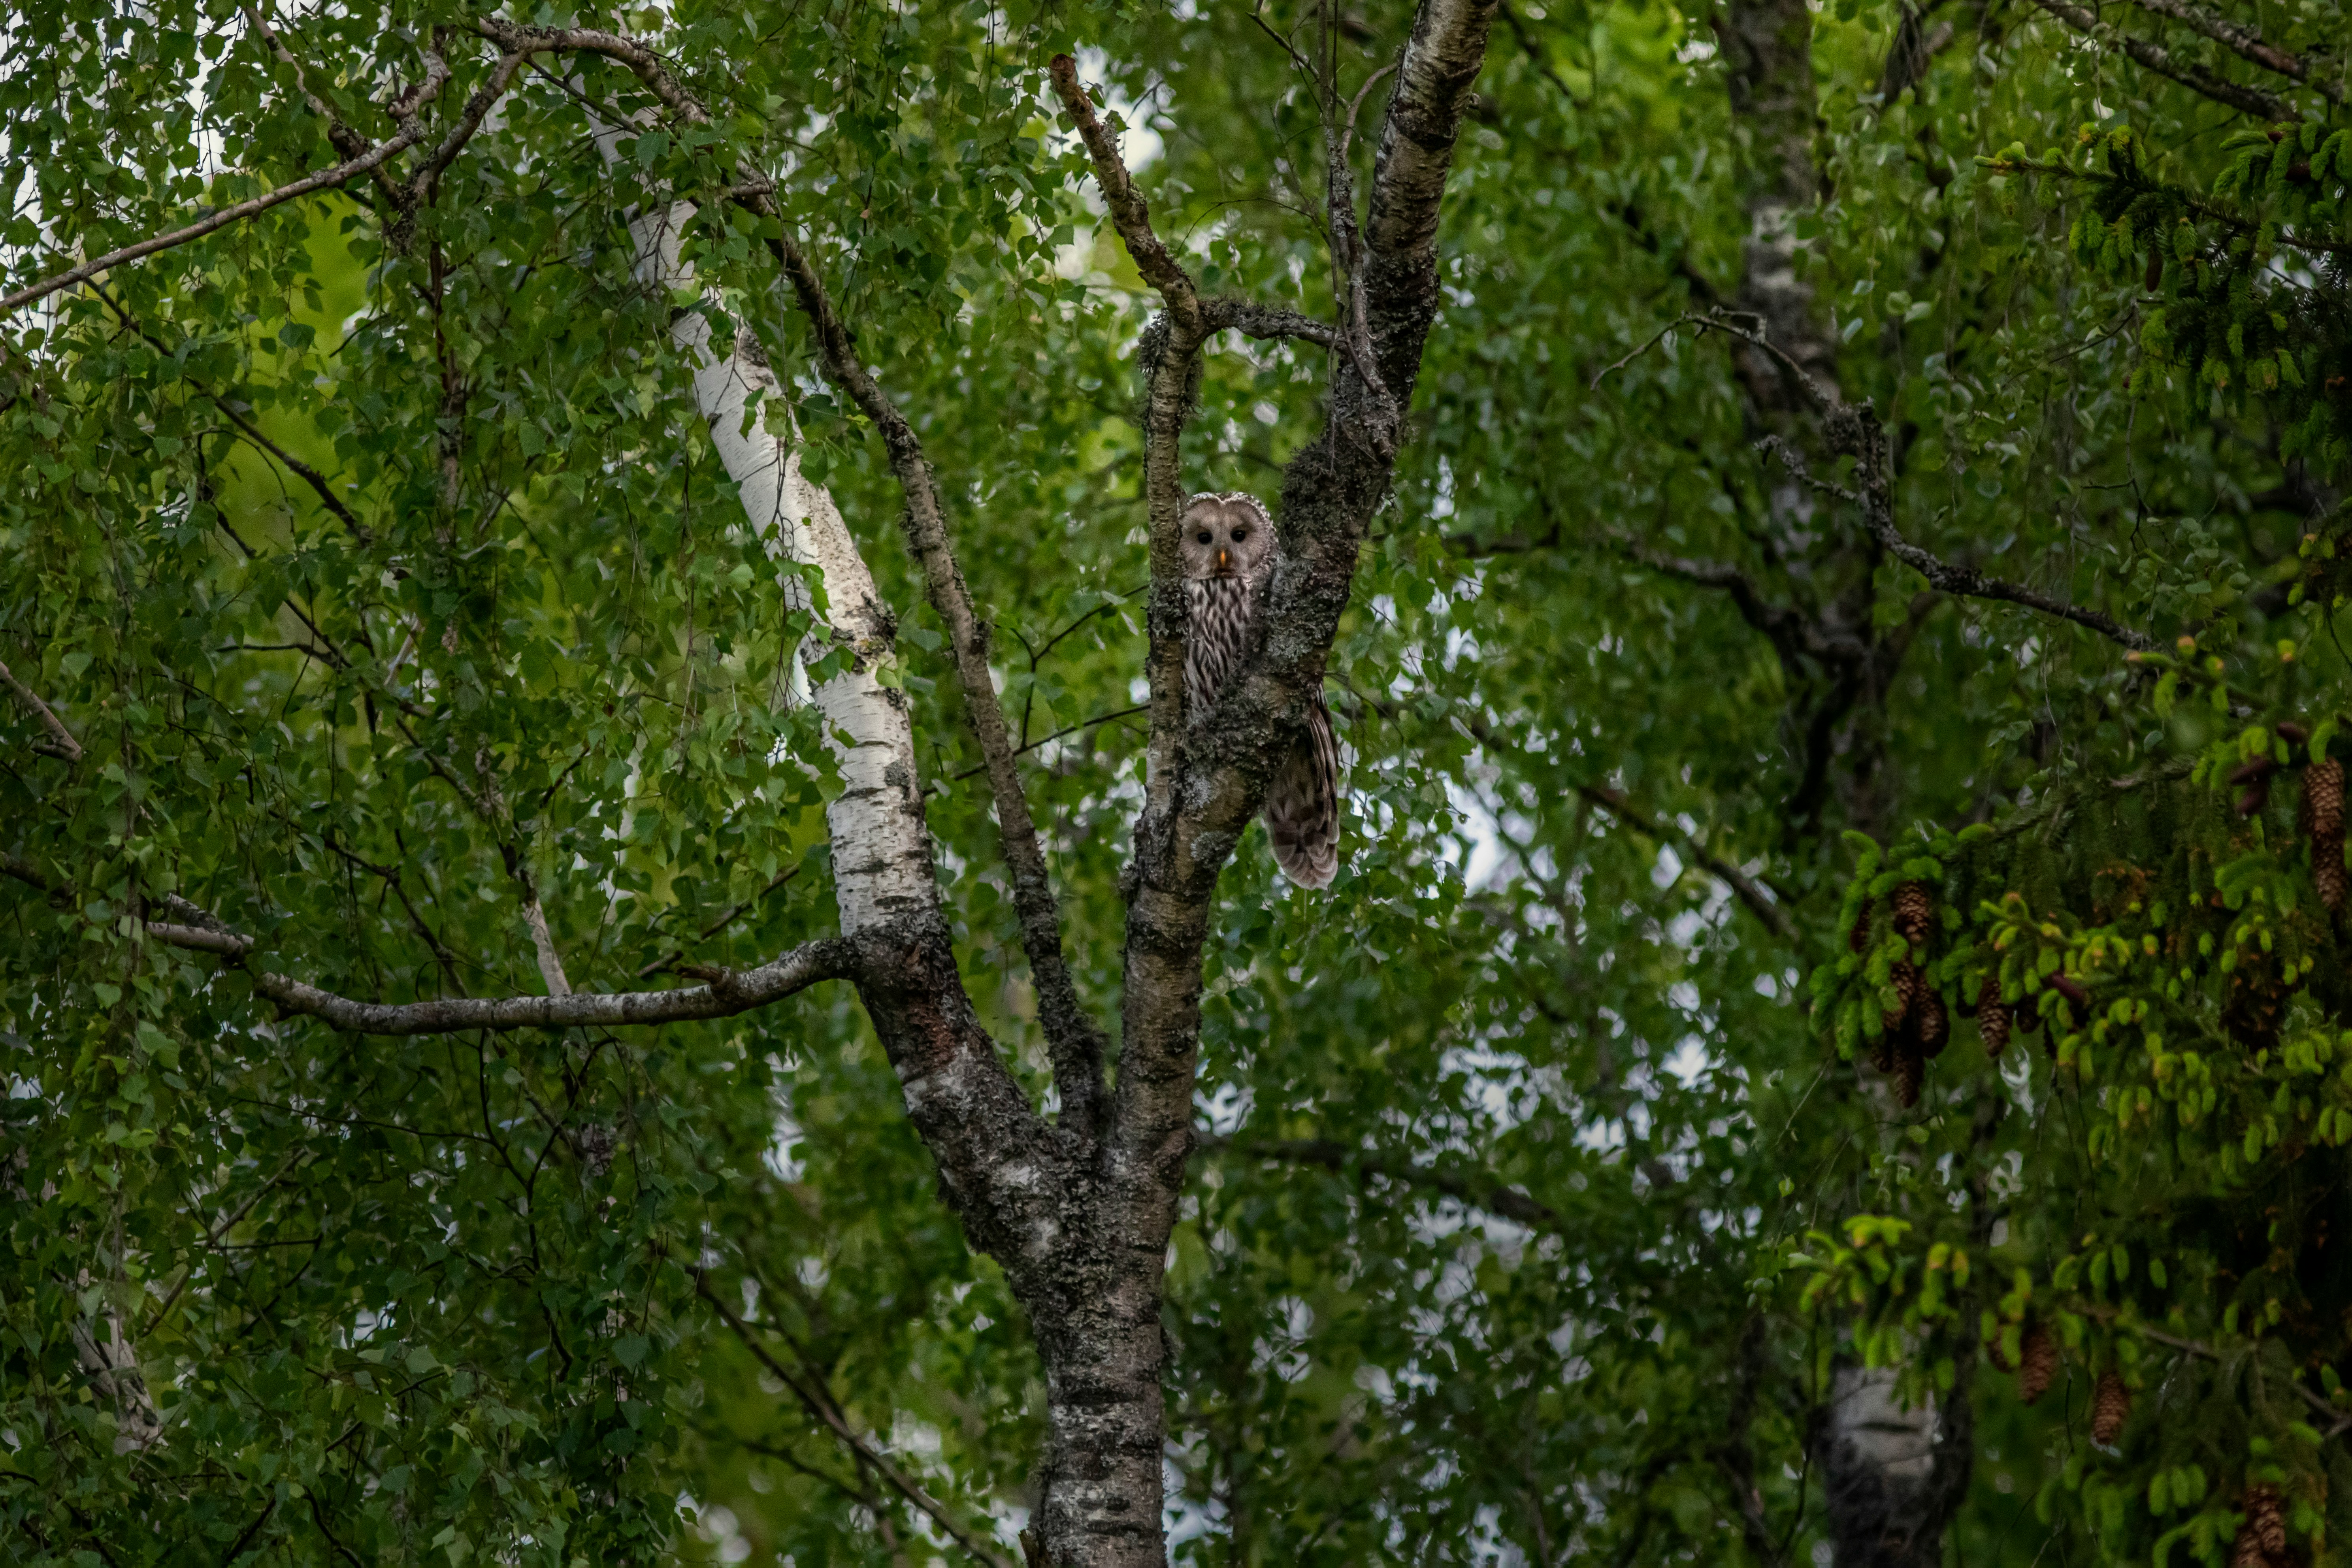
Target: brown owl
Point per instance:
(1229, 556)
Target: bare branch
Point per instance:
(2242, 40)
(822, 1407)
(1128, 213)
(1749, 892)
(729, 993)
(1074, 1040)
(469, 120)
(1264, 321)
(1066, 730)
(517, 39)
(2251, 100)
(411, 132)
(61, 742)
(1854, 429)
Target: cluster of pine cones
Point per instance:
(2037, 1368)
(1918, 1027)
(2262, 1540)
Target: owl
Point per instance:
(1229, 556)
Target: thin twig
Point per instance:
(824, 1409)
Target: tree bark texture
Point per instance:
(1079, 1215)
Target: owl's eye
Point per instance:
(1240, 534)
(1203, 537)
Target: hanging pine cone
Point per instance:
(1910, 1071)
(2327, 871)
(1997, 1355)
(2037, 1364)
(2323, 799)
(2025, 1018)
(1930, 1022)
(1882, 1050)
(1992, 1016)
(2266, 1517)
(1905, 977)
(1913, 912)
(1859, 937)
(2246, 1551)
(2110, 1408)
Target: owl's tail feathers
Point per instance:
(1302, 807)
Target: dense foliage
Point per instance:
(377, 564)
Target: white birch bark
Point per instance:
(881, 852)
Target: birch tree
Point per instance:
(709, 167)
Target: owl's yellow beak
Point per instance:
(1224, 559)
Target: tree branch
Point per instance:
(412, 132)
(1854, 429)
(2242, 40)
(1076, 1042)
(61, 741)
(1749, 892)
(2246, 100)
(726, 993)
(1129, 213)
(865, 1454)
(1264, 321)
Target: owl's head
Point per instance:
(1225, 536)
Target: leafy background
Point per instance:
(437, 1299)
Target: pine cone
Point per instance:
(2110, 1408)
(1998, 1356)
(1930, 1022)
(2037, 1365)
(2266, 1517)
(1906, 977)
(1992, 1016)
(1858, 938)
(2323, 799)
(2327, 871)
(2025, 1018)
(1910, 1071)
(2246, 1551)
(1882, 1050)
(1913, 912)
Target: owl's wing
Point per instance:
(1302, 806)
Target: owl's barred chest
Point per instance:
(1223, 608)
